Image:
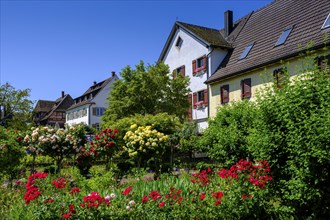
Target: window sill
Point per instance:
(200, 72)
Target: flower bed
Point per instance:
(238, 192)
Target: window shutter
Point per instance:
(194, 67)
(94, 111)
(204, 61)
(195, 99)
(206, 98)
(224, 94)
(247, 88)
(174, 74)
(183, 71)
(190, 107)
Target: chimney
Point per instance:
(228, 22)
(94, 83)
(113, 73)
(62, 94)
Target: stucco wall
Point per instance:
(260, 78)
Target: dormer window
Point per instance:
(179, 42)
(326, 23)
(246, 51)
(283, 36)
(91, 96)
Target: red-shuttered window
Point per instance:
(246, 88)
(190, 107)
(224, 94)
(200, 99)
(199, 65)
(179, 72)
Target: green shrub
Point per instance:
(225, 140)
(293, 134)
(10, 153)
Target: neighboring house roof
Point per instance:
(91, 92)
(264, 27)
(207, 36)
(43, 106)
(61, 104)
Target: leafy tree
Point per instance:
(15, 107)
(147, 90)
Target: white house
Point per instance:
(90, 106)
(196, 52)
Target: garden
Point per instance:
(267, 159)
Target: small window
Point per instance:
(246, 51)
(279, 77)
(199, 65)
(224, 94)
(283, 36)
(200, 96)
(179, 72)
(246, 88)
(323, 62)
(326, 23)
(179, 42)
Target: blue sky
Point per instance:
(50, 46)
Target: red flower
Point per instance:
(250, 196)
(217, 195)
(202, 196)
(71, 207)
(74, 190)
(59, 183)
(127, 191)
(244, 197)
(67, 215)
(144, 199)
(161, 204)
(217, 202)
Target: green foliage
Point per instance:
(294, 133)
(147, 90)
(162, 122)
(10, 153)
(225, 140)
(15, 107)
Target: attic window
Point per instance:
(283, 36)
(326, 23)
(246, 51)
(179, 42)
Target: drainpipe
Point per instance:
(207, 76)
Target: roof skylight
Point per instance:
(246, 51)
(283, 36)
(326, 23)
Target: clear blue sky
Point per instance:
(50, 46)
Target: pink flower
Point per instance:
(202, 196)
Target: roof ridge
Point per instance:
(180, 22)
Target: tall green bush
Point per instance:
(10, 153)
(225, 140)
(293, 134)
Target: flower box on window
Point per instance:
(200, 105)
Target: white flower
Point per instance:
(107, 198)
(112, 195)
(128, 208)
(132, 202)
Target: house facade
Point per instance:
(52, 112)
(270, 43)
(91, 105)
(194, 52)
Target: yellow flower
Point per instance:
(133, 126)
